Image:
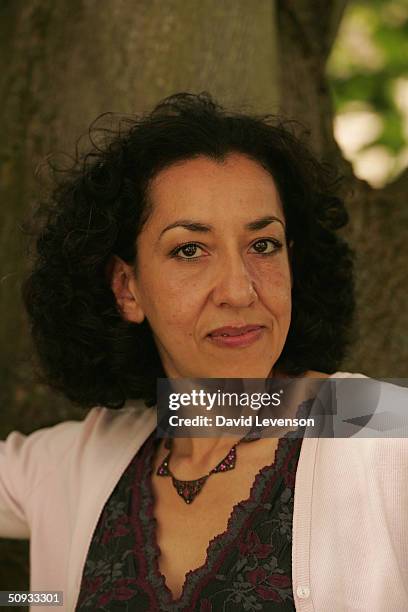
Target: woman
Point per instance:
(197, 244)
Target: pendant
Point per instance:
(189, 489)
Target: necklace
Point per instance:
(189, 489)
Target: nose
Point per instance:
(234, 285)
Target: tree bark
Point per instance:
(378, 217)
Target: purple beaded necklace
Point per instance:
(189, 489)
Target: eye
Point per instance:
(187, 251)
(266, 246)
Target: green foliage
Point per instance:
(369, 58)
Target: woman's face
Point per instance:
(213, 255)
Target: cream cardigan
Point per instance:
(350, 521)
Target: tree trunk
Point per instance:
(378, 217)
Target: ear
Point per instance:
(121, 278)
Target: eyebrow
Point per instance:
(196, 226)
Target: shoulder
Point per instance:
(371, 416)
(31, 456)
(340, 374)
(65, 455)
(114, 428)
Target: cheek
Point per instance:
(275, 286)
(279, 298)
(172, 305)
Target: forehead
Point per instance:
(237, 185)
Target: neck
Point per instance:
(199, 455)
(192, 457)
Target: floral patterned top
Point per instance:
(248, 567)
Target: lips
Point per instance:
(233, 331)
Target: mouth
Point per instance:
(231, 336)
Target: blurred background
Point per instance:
(338, 67)
(368, 73)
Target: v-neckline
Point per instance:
(221, 543)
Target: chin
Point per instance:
(244, 371)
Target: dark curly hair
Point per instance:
(97, 209)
